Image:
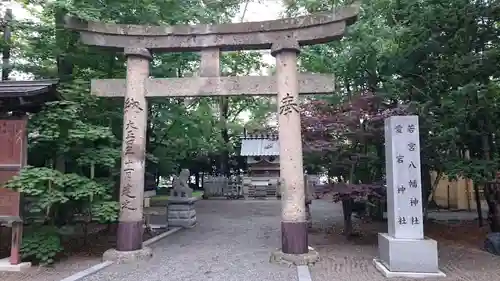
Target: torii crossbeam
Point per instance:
(284, 37)
(214, 86)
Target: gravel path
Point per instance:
(232, 241)
(59, 271)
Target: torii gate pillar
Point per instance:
(129, 236)
(293, 214)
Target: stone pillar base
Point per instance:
(5, 265)
(127, 256)
(181, 212)
(407, 257)
(308, 258)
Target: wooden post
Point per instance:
(15, 247)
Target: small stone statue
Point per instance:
(180, 186)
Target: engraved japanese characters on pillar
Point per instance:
(288, 105)
(133, 151)
(403, 177)
(129, 197)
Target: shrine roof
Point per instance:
(27, 96)
(260, 145)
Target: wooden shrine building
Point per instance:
(262, 153)
(17, 100)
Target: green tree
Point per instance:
(75, 143)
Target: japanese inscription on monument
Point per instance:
(404, 190)
(132, 107)
(288, 105)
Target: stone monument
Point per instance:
(404, 251)
(284, 37)
(180, 208)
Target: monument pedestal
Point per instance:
(404, 251)
(181, 212)
(407, 257)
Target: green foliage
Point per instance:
(52, 194)
(440, 57)
(75, 143)
(50, 190)
(41, 245)
(105, 211)
(42, 183)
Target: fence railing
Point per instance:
(220, 186)
(253, 187)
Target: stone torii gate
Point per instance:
(284, 37)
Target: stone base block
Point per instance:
(181, 212)
(186, 223)
(6, 266)
(408, 256)
(182, 200)
(127, 256)
(390, 274)
(308, 258)
(180, 208)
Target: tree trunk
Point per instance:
(224, 153)
(427, 185)
(66, 41)
(7, 44)
(197, 179)
(149, 177)
(492, 194)
(347, 206)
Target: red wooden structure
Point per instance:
(17, 98)
(12, 159)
